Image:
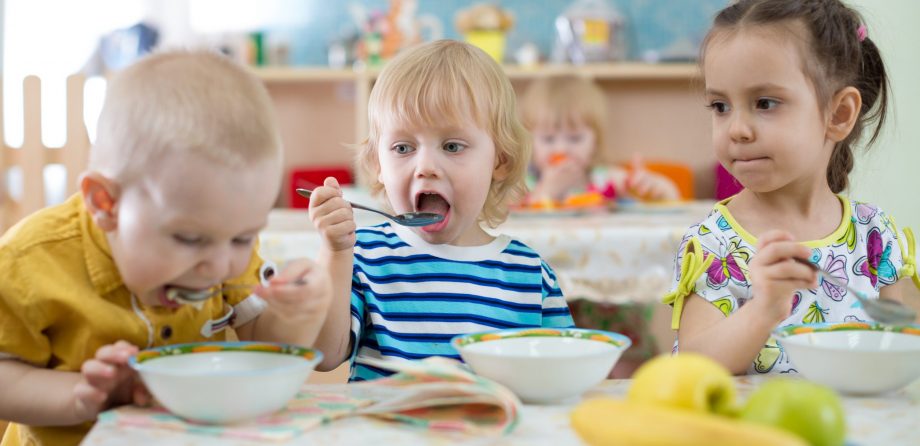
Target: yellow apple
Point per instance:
(685, 381)
(809, 410)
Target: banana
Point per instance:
(609, 422)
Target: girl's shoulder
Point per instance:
(868, 214)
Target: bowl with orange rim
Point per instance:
(224, 382)
(860, 358)
(543, 365)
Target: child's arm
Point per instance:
(294, 312)
(734, 341)
(334, 219)
(43, 397)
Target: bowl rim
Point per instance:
(140, 361)
(797, 329)
(792, 334)
(618, 340)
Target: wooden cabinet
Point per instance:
(655, 109)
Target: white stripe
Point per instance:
(518, 297)
(430, 327)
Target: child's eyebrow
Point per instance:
(752, 90)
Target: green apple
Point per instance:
(809, 410)
(687, 381)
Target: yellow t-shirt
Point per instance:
(62, 297)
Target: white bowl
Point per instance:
(224, 382)
(543, 365)
(856, 358)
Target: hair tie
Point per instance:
(862, 32)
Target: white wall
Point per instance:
(889, 174)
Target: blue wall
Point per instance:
(651, 24)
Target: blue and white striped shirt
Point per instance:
(409, 297)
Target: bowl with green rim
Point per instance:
(224, 382)
(860, 358)
(543, 365)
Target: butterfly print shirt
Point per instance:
(864, 251)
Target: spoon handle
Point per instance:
(307, 192)
(828, 277)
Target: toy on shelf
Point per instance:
(485, 26)
(589, 31)
(383, 34)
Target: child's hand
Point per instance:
(775, 277)
(306, 302)
(108, 382)
(646, 185)
(557, 180)
(333, 216)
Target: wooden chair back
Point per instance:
(34, 156)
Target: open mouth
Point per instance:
(435, 203)
(431, 202)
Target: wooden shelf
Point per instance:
(610, 71)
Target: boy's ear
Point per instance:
(844, 111)
(100, 196)
(502, 168)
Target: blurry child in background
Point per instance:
(183, 173)
(793, 85)
(444, 138)
(566, 116)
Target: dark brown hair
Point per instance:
(838, 55)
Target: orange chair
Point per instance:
(679, 173)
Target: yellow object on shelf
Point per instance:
(490, 41)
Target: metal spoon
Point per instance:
(883, 310)
(407, 219)
(179, 294)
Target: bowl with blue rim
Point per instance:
(543, 365)
(224, 382)
(860, 358)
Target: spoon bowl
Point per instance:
(882, 310)
(407, 219)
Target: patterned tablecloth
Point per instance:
(890, 419)
(616, 257)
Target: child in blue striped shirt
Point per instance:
(444, 138)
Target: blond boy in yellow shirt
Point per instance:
(184, 171)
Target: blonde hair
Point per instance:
(566, 101)
(448, 81)
(183, 101)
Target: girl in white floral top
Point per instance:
(792, 85)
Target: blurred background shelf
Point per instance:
(608, 71)
(654, 109)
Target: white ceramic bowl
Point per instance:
(543, 365)
(224, 382)
(857, 358)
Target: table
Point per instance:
(890, 419)
(624, 256)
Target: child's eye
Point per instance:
(453, 147)
(402, 149)
(766, 104)
(718, 107)
(243, 241)
(189, 240)
(575, 138)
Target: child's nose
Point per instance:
(216, 265)
(427, 163)
(740, 129)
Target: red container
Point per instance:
(311, 177)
